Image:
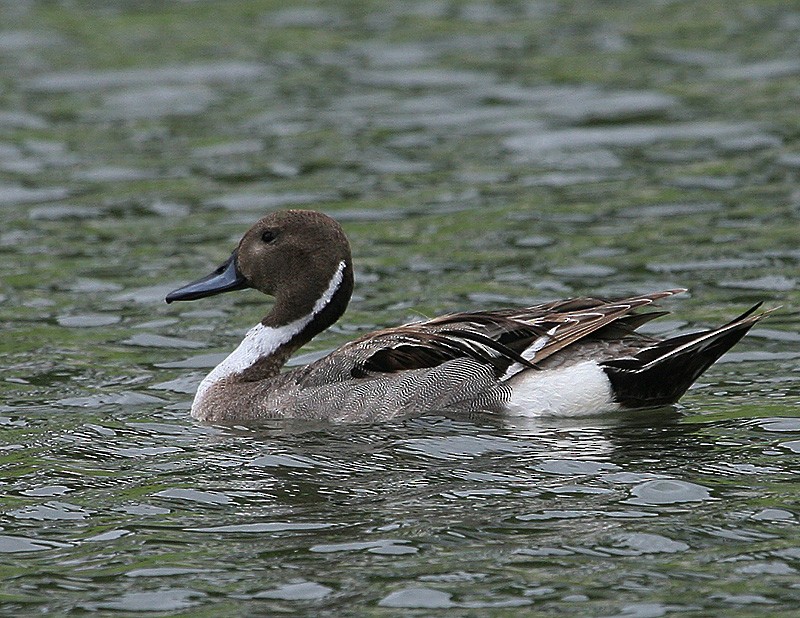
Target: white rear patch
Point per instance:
(578, 390)
(261, 341)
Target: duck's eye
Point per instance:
(267, 236)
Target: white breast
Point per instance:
(261, 341)
(578, 390)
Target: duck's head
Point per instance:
(300, 257)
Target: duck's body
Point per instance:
(570, 357)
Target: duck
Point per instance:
(572, 357)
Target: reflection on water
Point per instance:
(477, 154)
(404, 514)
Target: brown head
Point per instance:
(293, 255)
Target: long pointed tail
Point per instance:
(661, 374)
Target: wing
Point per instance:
(507, 340)
(604, 319)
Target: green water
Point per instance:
(478, 155)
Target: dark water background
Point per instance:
(479, 155)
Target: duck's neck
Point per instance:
(269, 344)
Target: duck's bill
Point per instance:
(226, 278)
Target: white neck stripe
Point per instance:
(261, 341)
(334, 284)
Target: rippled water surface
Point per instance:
(479, 155)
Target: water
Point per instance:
(478, 155)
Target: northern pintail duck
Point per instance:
(567, 357)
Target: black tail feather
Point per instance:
(661, 374)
